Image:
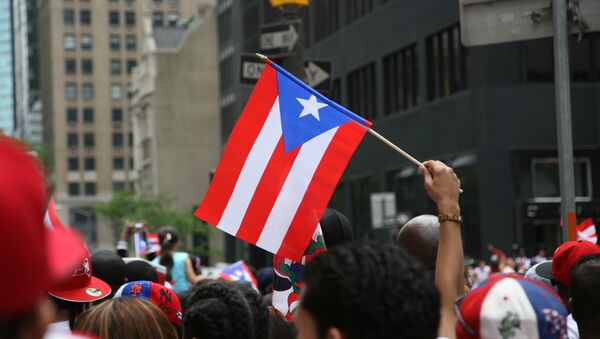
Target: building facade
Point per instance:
(487, 111)
(89, 49)
(7, 68)
(175, 111)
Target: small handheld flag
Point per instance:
(586, 230)
(281, 164)
(240, 272)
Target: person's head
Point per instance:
(336, 228)
(33, 256)
(367, 290)
(109, 267)
(160, 295)
(510, 306)
(220, 309)
(168, 236)
(140, 270)
(539, 271)
(563, 260)
(279, 328)
(420, 237)
(585, 299)
(264, 280)
(125, 318)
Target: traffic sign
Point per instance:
(280, 38)
(250, 68)
(319, 74)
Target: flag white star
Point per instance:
(311, 107)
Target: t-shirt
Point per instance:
(572, 329)
(178, 271)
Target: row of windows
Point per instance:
(85, 41)
(87, 91)
(88, 115)
(87, 66)
(90, 187)
(114, 18)
(118, 140)
(85, 17)
(114, 42)
(89, 163)
(158, 19)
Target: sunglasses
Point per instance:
(461, 321)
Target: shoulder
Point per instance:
(181, 255)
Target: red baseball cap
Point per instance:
(567, 255)
(32, 256)
(81, 286)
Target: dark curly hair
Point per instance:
(225, 310)
(371, 290)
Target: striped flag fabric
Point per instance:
(240, 272)
(281, 164)
(51, 220)
(586, 230)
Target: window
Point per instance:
(116, 91)
(87, 66)
(85, 17)
(90, 188)
(118, 186)
(173, 19)
(131, 65)
(69, 17)
(115, 67)
(361, 91)
(69, 42)
(446, 63)
(73, 164)
(174, 2)
(400, 80)
(131, 42)
(88, 140)
(158, 19)
(357, 8)
(86, 42)
(115, 42)
(74, 188)
(71, 115)
(225, 23)
(117, 139)
(117, 115)
(72, 140)
(118, 163)
(545, 178)
(130, 137)
(70, 66)
(88, 115)
(130, 162)
(88, 91)
(71, 91)
(130, 19)
(327, 18)
(89, 164)
(113, 18)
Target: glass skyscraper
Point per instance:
(7, 99)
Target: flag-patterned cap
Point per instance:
(157, 294)
(510, 306)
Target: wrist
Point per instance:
(448, 208)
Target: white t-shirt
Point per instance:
(572, 329)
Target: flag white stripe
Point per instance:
(293, 191)
(588, 231)
(252, 171)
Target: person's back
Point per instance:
(367, 290)
(585, 299)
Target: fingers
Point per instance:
(427, 178)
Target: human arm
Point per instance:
(443, 187)
(190, 274)
(123, 244)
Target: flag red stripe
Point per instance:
(238, 147)
(315, 200)
(266, 193)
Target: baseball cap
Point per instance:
(539, 271)
(565, 257)
(157, 294)
(510, 306)
(81, 286)
(32, 256)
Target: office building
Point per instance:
(487, 111)
(88, 50)
(7, 69)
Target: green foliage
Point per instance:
(155, 211)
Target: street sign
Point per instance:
(280, 38)
(319, 74)
(250, 68)
(495, 21)
(383, 209)
(278, 3)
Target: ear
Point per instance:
(334, 333)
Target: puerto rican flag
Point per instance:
(239, 271)
(281, 164)
(51, 220)
(586, 230)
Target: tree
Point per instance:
(156, 211)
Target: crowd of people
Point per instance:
(417, 287)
